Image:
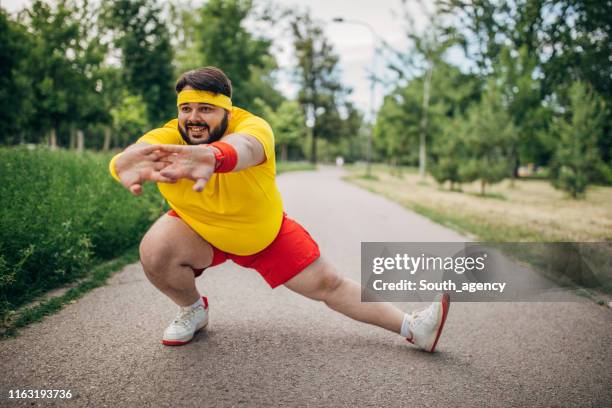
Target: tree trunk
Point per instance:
(284, 152)
(53, 138)
(80, 141)
(422, 145)
(482, 187)
(107, 138)
(515, 171)
(313, 148)
(72, 142)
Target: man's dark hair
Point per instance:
(209, 79)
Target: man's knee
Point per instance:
(327, 284)
(171, 243)
(155, 254)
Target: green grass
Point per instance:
(495, 196)
(469, 226)
(60, 214)
(523, 213)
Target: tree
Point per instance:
(577, 155)
(15, 94)
(560, 41)
(488, 134)
(288, 125)
(182, 26)
(578, 41)
(352, 133)
(516, 76)
(129, 118)
(223, 41)
(450, 150)
(143, 39)
(60, 65)
(318, 78)
(397, 125)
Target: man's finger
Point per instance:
(136, 189)
(174, 158)
(157, 154)
(173, 172)
(168, 148)
(146, 149)
(160, 165)
(157, 177)
(199, 185)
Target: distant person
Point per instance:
(339, 161)
(215, 166)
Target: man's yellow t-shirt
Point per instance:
(238, 212)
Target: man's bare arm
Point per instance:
(250, 151)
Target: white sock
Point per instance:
(199, 302)
(405, 332)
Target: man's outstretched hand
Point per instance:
(196, 163)
(140, 163)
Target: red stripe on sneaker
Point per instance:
(205, 300)
(445, 307)
(174, 342)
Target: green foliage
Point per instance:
(63, 65)
(522, 93)
(59, 212)
(182, 25)
(487, 135)
(449, 151)
(288, 125)
(146, 54)
(129, 118)
(352, 134)
(15, 95)
(577, 157)
(398, 124)
(537, 48)
(216, 34)
(224, 41)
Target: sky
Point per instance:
(352, 42)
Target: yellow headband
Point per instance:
(192, 95)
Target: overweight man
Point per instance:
(215, 166)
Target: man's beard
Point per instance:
(213, 134)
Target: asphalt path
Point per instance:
(274, 348)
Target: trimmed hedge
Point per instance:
(59, 213)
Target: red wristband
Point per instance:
(226, 157)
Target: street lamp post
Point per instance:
(372, 85)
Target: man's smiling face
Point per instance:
(201, 123)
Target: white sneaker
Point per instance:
(426, 325)
(186, 323)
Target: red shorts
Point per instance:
(292, 250)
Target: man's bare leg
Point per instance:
(168, 251)
(320, 281)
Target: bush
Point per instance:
(59, 212)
